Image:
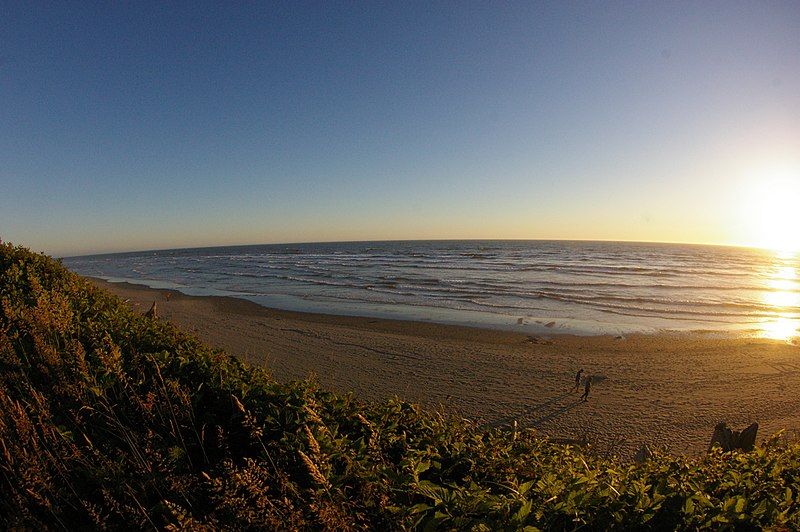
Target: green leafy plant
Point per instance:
(109, 419)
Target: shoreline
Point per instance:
(661, 389)
(519, 324)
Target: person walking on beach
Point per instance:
(578, 379)
(586, 388)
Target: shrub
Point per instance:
(109, 419)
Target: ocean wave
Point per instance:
(569, 278)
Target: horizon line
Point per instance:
(217, 246)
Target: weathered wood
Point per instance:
(729, 440)
(747, 438)
(643, 454)
(153, 312)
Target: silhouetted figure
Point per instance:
(586, 389)
(578, 379)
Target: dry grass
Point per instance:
(114, 420)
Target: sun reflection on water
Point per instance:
(781, 328)
(784, 298)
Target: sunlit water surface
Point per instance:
(538, 286)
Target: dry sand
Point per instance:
(667, 390)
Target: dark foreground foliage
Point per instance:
(113, 420)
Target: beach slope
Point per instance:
(665, 390)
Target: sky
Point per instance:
(138, 125)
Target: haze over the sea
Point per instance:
(147, 125)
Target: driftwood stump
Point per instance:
(643, 454)
(729, 440)
(153, 312)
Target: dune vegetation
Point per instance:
(110, 419)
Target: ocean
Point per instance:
(543, 287)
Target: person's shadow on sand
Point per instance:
(536, 423)
(541, 413)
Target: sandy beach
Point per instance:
(664, 390)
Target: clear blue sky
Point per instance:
(143, 125)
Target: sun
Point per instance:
(773, 211)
